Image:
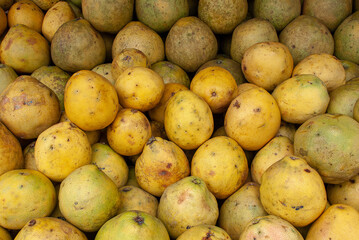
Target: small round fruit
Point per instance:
(216, 86)
(140, 88)
(171, 73)
(188, 120)
(301, 97)
(129, 132)
(11, 155)
(325, 66)
(88, 198)
(253, 118)
(267, 64)
(26, 12)
(25, 194)
(28, 107)
(294, 191)
(90, 100)
(133, 225)
(345, 193)
(49, 227)
(60, 149)
(222, 164)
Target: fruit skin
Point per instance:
(273, 151)
(135, 198)
(171, 73)
(139, 88)
(190, 43)
(129, 132)
(4, 234)
(204, 231)
(28, 107)
(188, 120)
(88, 198)
(160, 164)
(222, 164)
(222, 16)
(49, 227)
(6, 4)
(55, 79)
(25, 194)
(7, 75)
(45, 4)
(160, 15)
(306, 35)
(248, 33)
(345, 193)
(343, 99)
(11, 156)
(270, 227)
(3, 21)
(137, 35)
(111, 163)
(339, 221)
(345, 38)
(325, 66)
(76, 46)
(12, 47)
(305, 87)
(108, 16)
(239, 208)
(351, 69)
(330, 12)
(57, 15)
(90, 100)
(252, 118)
(158, 112)
(133, 225)
(185, 204)
(280, 13)
(128, 57)
(26, 12)
(61, 149)
(216, 86)
(267, 64)
(329, 143)
(294, 191)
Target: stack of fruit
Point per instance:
(161, 119)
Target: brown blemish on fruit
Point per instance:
(236, 104)
(214, 94)
(169, 165)
(31, 41)
(208, 236)
(340, 207)
(32, 223)
(212, 173)
(182, 197)
(307, 170)
(352, 180)
(163, 173)
(139, 220)
(283, 203)
(126, 189)
(257, 110)
(8, 44)
(134, 110)
(303, 152)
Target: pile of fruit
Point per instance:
(186, 119)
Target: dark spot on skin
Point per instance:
(293, 158)
(214, 94)
(196, 181)
(51, 147)
(18, 8)
(31, 41)
(297, 208)
(257, 110)
(236, 104)
(169, 165)
(340, 207)
(293, 46)
(208, 236)
(307, 170)
(32, 223)
(68, 140)
(303, 152)
(129, 73)
(21, 186)
(212, 173)
(244, 68)
(188, 227)
(163, 172)
(139, 220)
(352, 180)
(127, 58)
(76, 203)
(126, 189)
(256, 222)
(134, 110)
(51, 230)
(283, 203)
